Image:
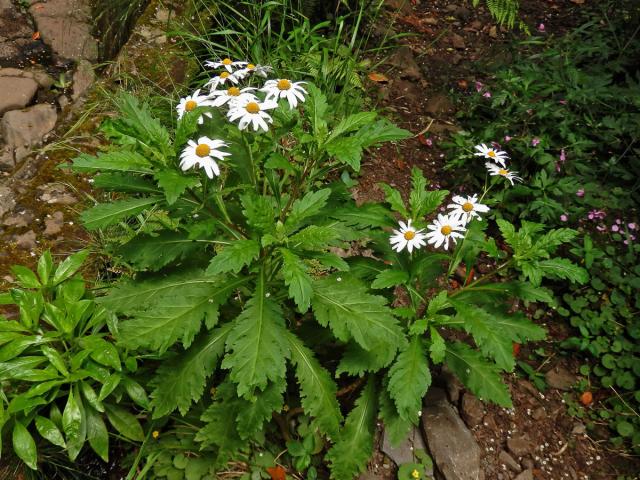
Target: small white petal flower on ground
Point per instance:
(497, 156)
(226, 63)
(223, 78)
(467, 208)
(232, 95)
(407, 237)
(503, 172)
(251, 112)
(283, 88)
(202, 154)
(191, 102)
(445, 228)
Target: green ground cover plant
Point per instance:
(568, 113)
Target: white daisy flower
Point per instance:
(407, 237)
(251, 112)
(191, 102)
(202, 154)
(283, 88)
(262, 70)
(232, 95)
(492, 154)
(227, 63)
(503, 172)
(467, 208)
(221, 79)
(445, 228)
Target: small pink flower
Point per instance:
(496, 145)
(558, 169)
(479, 86)
(535, 141)
(428, 142)
(580, 193)
(615, 228)
(507, 138)
(632, 226)
(618, 221)
(486, 94)
(563, 218)
(562, 102)
(529, 111)
(541, 27)
(563, 157)
(601, 228)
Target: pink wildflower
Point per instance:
(601, 228)
(507, 138)
(486, 94)
(541, 27)
(615, 228)
(632, 226)
(535, 141)
(562, 102)
(580, 193)
(563, 157)
(479, 86)
(563, 218)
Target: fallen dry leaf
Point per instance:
(35, 36)
(277, 473)
(378, 77)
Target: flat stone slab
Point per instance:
(16, 91)
(65, 25)
(452, 446)
(23, 129)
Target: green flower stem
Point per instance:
(231, 228)
(482, 278)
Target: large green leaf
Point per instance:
(354, 443)
(97, 433)
(296, 278)
(74, 424)
(181, 380)
(342, 303)
(124, 422)
(480, 376)
(563, 269)
(106, 214)
(47, 429)
(260, 409)
(308, 206)
(146, 252)
(346, 150)
(24, 445)
(257, 344)
(115, 161)
(380, 132)
(160, 321)
(317, 389)
(174, 184)
(409, 379)
(234, 256)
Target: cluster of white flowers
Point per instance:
(498, 168)
(443, 229)
(244, 106)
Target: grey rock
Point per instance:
(54, 224)
(19, 220)
(509, 461)
(405, 451)
(454, 386)
(527, 463)
(454, 450)
(27, 240)
(7, 200)
(526, 475)
(560, 378)
(16, 91)
(83, 78)
(6, 160)
(65, 25)
(472, 409)
(23, 129)
(579, 429)
(520, 444)
(56, 194)
(404, 60)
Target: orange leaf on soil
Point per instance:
(422, 139)
(277, 473)
(378, 77)
(516, 349)
(586, 398)
(35, 36)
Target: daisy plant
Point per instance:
(243, 242)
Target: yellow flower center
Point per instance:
(503, 172)
(252, 107)
(467, 207)
(155, 434)
(284, 84)
(251, 66)
(233, 91)
(409, 235)
(491, 153)
(446, 230)
(227, 61)
(190, 105)
(203, 150)
(224, 75)
(415, 473)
